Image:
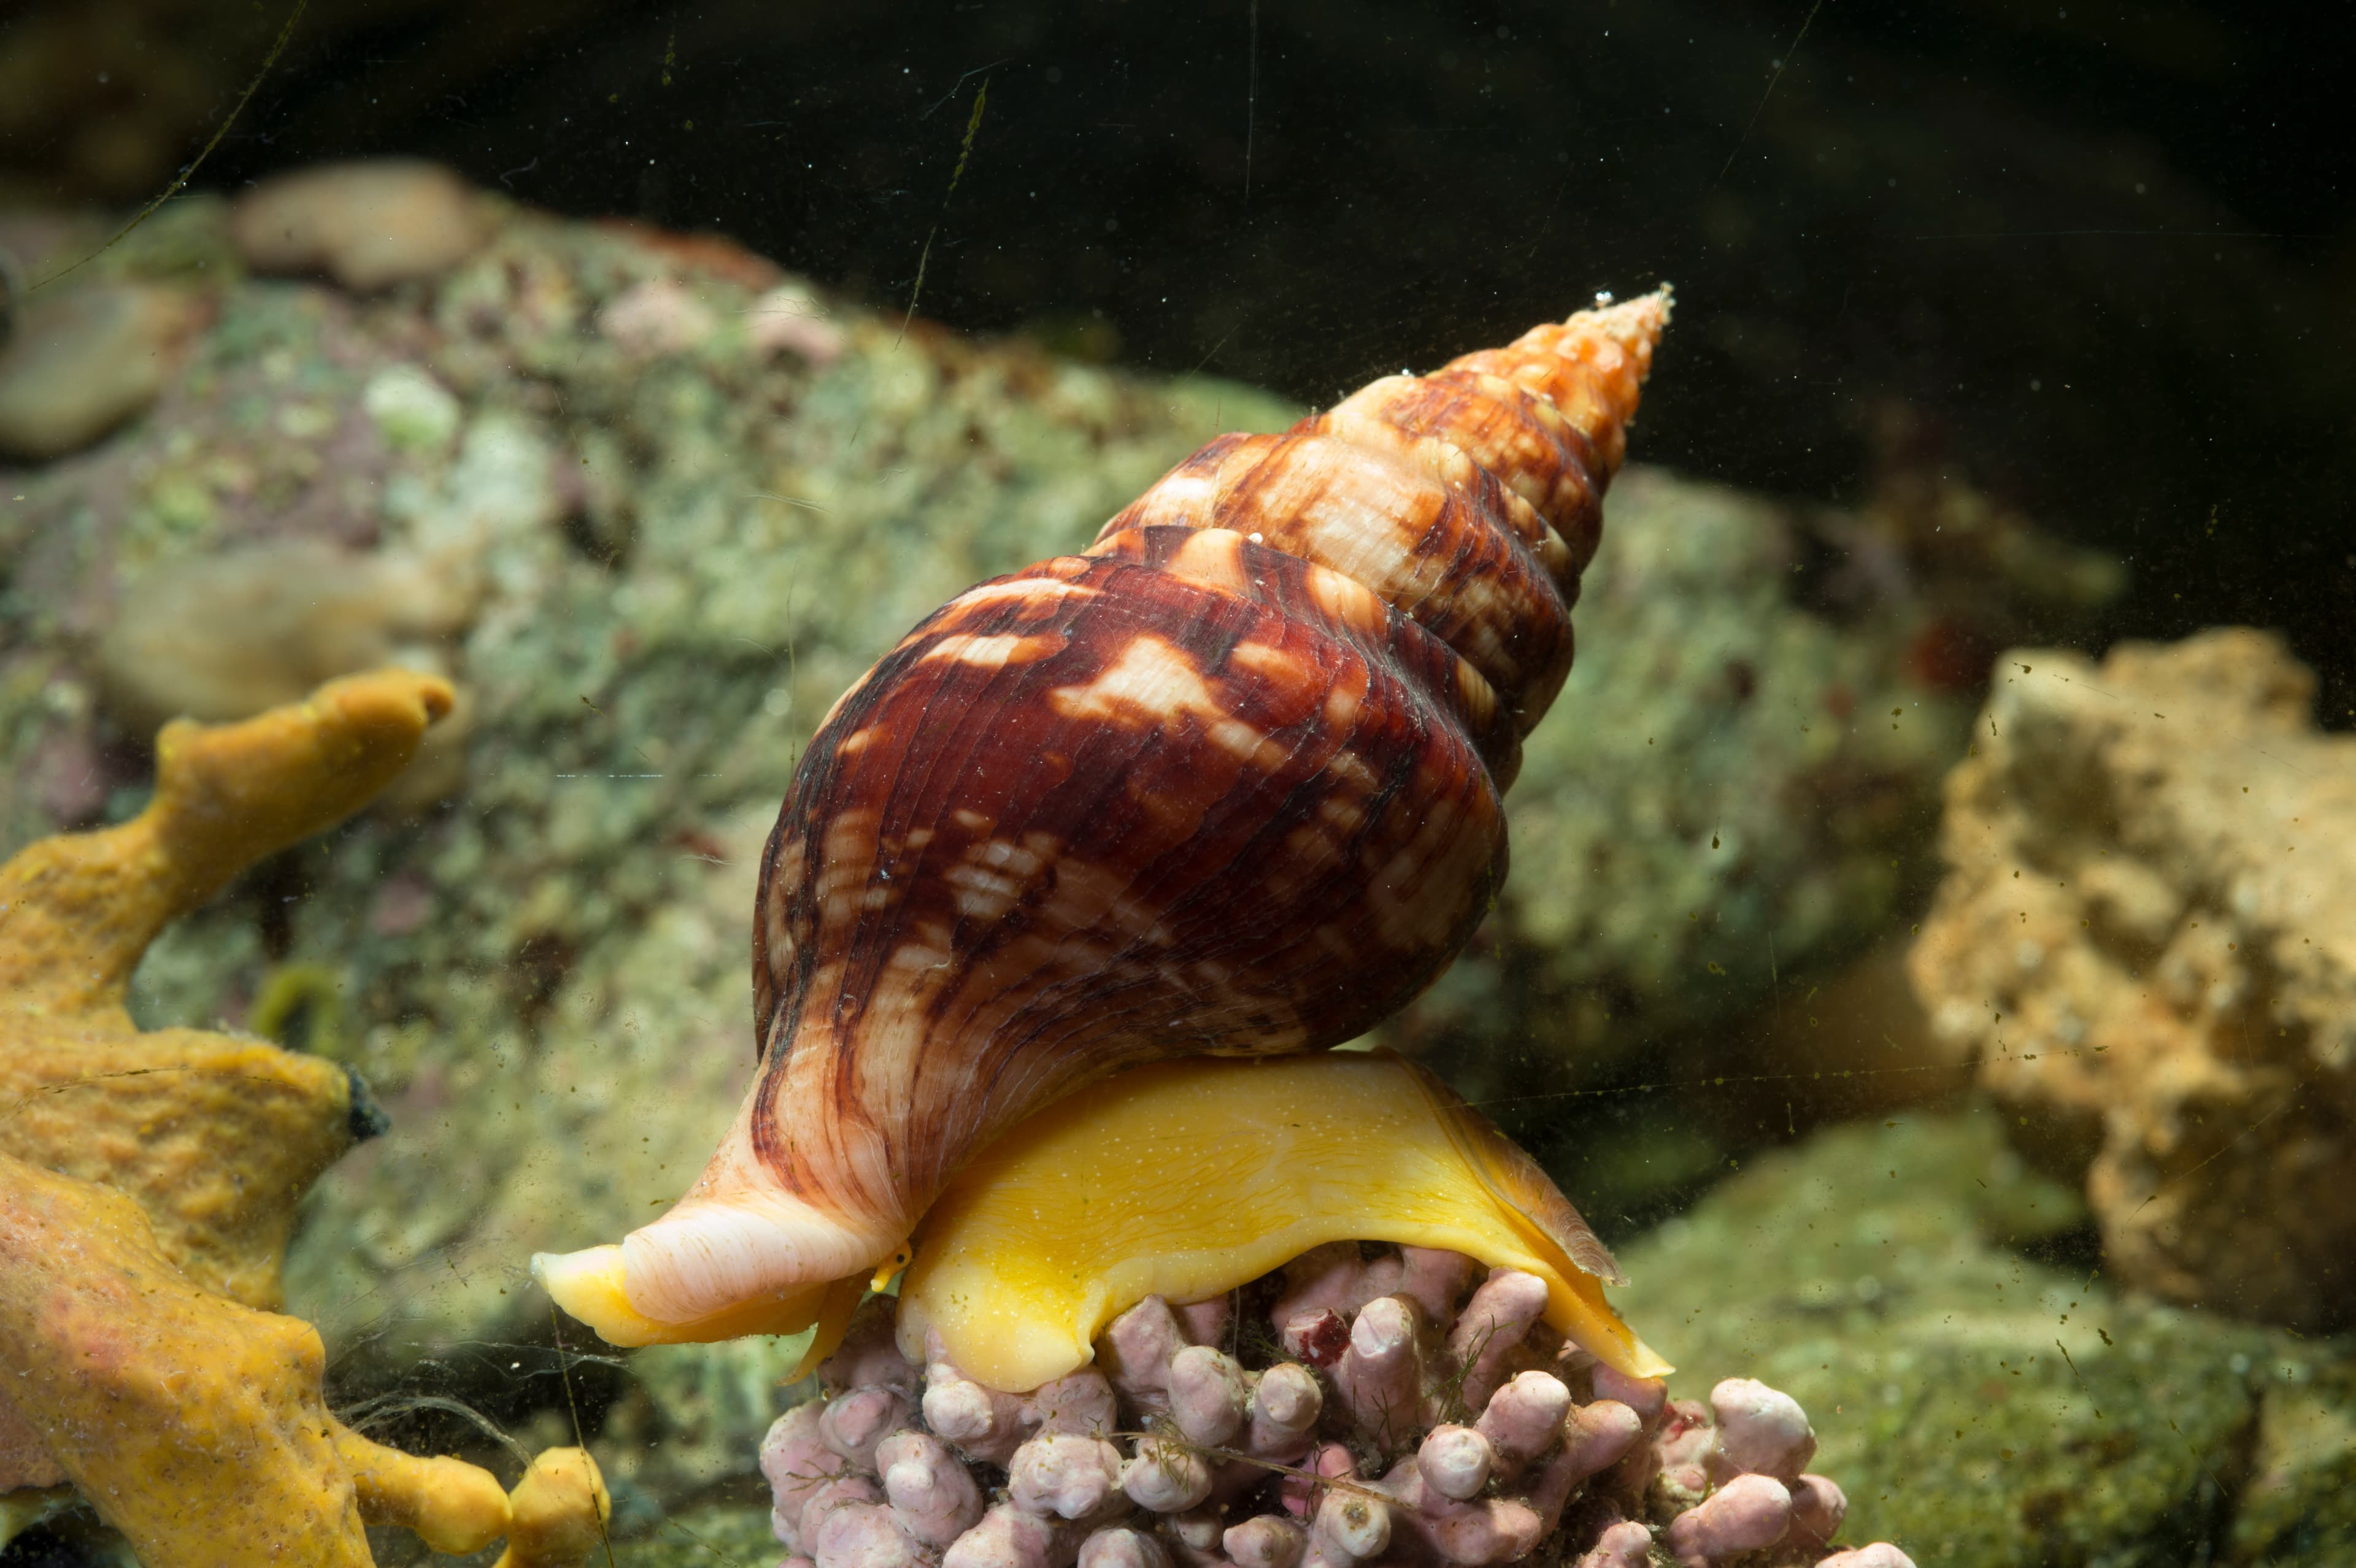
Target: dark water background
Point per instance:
(2094, 258)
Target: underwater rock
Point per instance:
(235, 633)
(2147, 942)
(62, 767)
(657, 317)
(790, 319)
(367, 225)
(80, 364)
(1449, 1430)
(1985, 1408)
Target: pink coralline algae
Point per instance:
(1366, 1406)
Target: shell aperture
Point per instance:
(1186, 1178)
(1226, 783)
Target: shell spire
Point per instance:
(1225, 784)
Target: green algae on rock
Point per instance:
(1996, 1411)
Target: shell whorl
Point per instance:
(1469, 500)
(1227, 782)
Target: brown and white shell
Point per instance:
(1226, 782)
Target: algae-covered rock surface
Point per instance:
(2146, 943)
(1984, 1408)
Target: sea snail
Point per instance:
(1225, 784)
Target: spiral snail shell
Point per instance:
(1225, 784)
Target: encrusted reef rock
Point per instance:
(2147, 941)
(1363, 1404)
(367, 225)
(1984, 1407)
(87, 358)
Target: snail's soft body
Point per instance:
(1228, 783)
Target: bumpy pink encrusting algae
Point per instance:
(1393, 1405)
